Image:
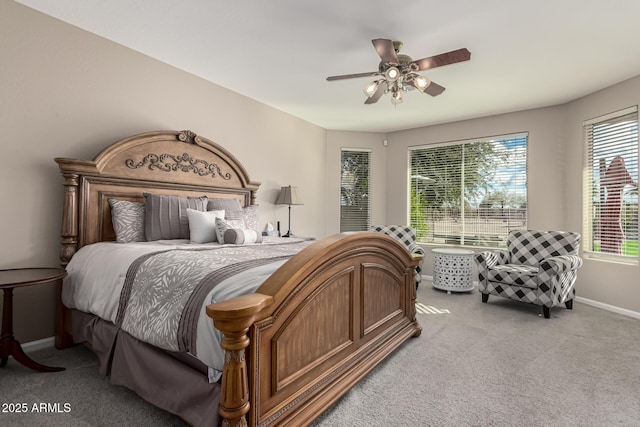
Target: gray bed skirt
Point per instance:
(175, 382)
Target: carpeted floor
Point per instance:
(494, 364)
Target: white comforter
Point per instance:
(96, 275)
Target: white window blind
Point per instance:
(355, 198)
(610, 186)
(469, 192)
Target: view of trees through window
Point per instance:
(611, 186)
(355, 206)
(470, 192)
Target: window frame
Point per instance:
(464, 240)
(588, 193)
(345, 227)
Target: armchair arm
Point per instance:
(561, 264)
(414, 248)
(556, 279)
(489, 259)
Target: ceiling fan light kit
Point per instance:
(398, 72)
(392, 74)
(371, 88)
(396, 95)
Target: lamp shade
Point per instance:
(289, 196)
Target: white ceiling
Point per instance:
(524, 53)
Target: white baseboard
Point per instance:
(608, 307)
(38, 344)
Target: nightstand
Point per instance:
(17, 278)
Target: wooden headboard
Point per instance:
(162, 162)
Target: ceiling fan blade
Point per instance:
(386, 51)
(443, 59)
(382, 87)
(434, 89)
(352, 76)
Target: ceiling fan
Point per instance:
(398, 72)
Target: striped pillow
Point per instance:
(166, 216)
(222, 225)
(241, 236)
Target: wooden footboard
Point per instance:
(318, 325)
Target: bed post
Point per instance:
(69, 231)
(234, 318)
(68, 247)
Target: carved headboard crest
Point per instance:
(186, 163)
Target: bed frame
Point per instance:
(319, 324)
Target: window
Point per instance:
(355, 206)
(610, 186)
(469, 192)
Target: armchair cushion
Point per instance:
(408, 237)
(515, 274)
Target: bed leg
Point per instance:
(234, 318)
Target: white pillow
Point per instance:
(202, 225)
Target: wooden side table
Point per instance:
(16, 278)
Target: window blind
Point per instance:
(355, 198)
(610, 186)
(469, 192)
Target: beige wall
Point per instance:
(69, 93)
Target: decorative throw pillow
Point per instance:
(202, 225)
(166, 216)
(240, 236)
(222, 225)
(128, 220)
(227, 205)
(249, 215)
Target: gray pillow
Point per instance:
(227, 205)
(166, 216)
(128, 220)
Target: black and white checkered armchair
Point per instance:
(538, 267)
(408, 237)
